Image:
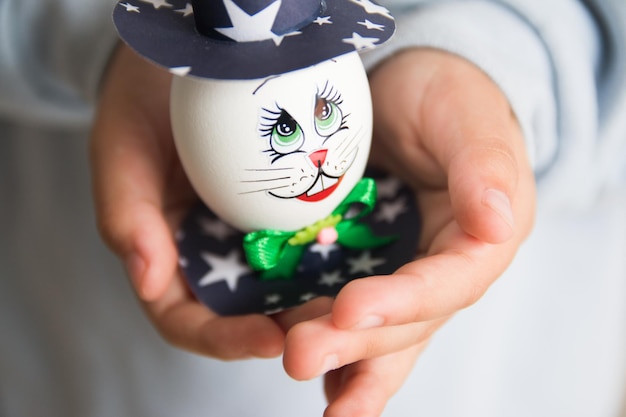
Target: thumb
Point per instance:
(472, 132)
(483, 178)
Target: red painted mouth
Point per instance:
(323, 187)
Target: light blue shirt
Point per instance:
(548, 339)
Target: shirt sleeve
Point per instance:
(560, 66)
(52, 56)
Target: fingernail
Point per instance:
(135, 268)
(369, 322)
(500, 203)
(330, 363)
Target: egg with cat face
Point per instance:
(275, 153)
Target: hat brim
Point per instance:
(212, 260)
(167, 36)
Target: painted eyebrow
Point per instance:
(265, 81)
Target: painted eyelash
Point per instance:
(267, 129)
(344, 119)
(272, 153)
(268, 121)
(276, 155)
(330, 93)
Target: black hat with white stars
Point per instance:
(249, 39)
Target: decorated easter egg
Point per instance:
(275, 153)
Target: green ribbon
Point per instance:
(276, 254)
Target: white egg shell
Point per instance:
(253, 149)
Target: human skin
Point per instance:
(445, 128)
(440, 124)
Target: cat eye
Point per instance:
(287, 135)
(328, 117)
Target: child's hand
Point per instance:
(445, 128)
(141, 193)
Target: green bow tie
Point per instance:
(276, 254)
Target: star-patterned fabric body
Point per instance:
(164, 32)
(212, 258)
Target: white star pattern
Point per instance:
(360, 42)
(187, 11)
(323, 20)
(323, 250)
(279, 39)
(180, 71)
(369, 25)
(216, 228)
(365, 263)
(388, 188)
(307, 297)
(272, 299)
(130, 7)
(226, 268)
(389, 211)
(183, 262)
(247, 28)
(372, 8)
(331, 279)
(273, 311)
(157, 3)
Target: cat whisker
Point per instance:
(263, 190)
(265, 180)
(268, 179)
(347, 147)
(269, 169)
(269, 174)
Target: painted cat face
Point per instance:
(279, 153)
(308, 153)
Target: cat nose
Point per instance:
(318, 157)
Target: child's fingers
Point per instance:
(482, 179)
(364, 388)
(313, 309)
(131, 220)
(185, 323)
(129, 210)
(316, 347)
(432, 287)
(468, 126)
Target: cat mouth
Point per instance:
(322, 188)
